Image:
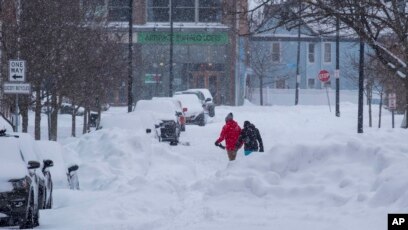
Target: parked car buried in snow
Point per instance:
(206, 98)
(178, 108)
(193, 109)
(19, 196)
(167, 126)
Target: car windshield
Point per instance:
(190, 101)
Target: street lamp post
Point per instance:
(298, 60)
(130, 58)
(171, 51)
(337, 74)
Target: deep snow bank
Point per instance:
(316, 173)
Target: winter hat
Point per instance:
(246, 124)
(229, 117)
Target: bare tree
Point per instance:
(262, 63)
(371, 20)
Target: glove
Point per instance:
(261, 149)
(216, 143)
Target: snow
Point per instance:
(316, 172)
(159, 109)
(191, 102)
(11, 164)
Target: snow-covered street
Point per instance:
(316, 173)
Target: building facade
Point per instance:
(205, 45)
(274, 55)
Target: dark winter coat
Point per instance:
(230, 133)
(250, 137)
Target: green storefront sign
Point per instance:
(183, 38)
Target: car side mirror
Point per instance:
(73, 168)
(48, 163)
(33, 165)
(208, 99)
(148, 130)
(184, 109)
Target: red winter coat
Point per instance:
(230, 133)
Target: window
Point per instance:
(280, 84)
(311, 54)
(94, 8)
(276, 52)
(118, 10)
(184, 11)
(209, 11)
(327, 52)
(311, 83)
(158, 10)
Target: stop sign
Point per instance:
(324, 76)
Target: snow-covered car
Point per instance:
(208, 100)
(193, 109)
(19, 196)
(167, 124)
(178, 107)
(67, 108)
(30, 151)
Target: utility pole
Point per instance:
(337, 73)
(171, 51)
(360, 88)
(298, 59)
(130, 58)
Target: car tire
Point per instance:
(211, 112)
(49, 203)
(201, 122)
(28, 220)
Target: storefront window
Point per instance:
(118, 10)
(209, 11)
(184, 10)
(158, 10)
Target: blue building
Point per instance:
(274, 56)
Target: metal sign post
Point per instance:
(324, 76)
(16, 85)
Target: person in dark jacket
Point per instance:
(230, 133)
(250, 137)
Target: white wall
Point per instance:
(306, 96)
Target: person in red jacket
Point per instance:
(230, 133)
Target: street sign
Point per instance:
(392, 101)
(17, 71)
(324, 76)
(16, 88)
(151, 78)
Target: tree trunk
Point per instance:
(380, 110)
(24, 114)
(369, 100)
(406, 104)
(85, 121)
(37, 122)
(73, 119)
(88, 113)
(54, 117)
(261, 90)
